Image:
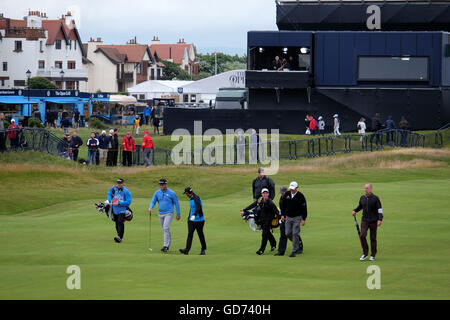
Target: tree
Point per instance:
(173, 71)
(41, 83)
(225, 62)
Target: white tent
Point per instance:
(121, 99)
(210, 85)
(154, 89)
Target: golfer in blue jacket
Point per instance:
(120, 198)
(167, 200)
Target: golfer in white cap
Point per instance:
(293, 214)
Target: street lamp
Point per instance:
(62, 78)
(28, 73)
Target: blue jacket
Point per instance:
(196, 209)
(390, 124)
(123, 196)
(147, 111)
(166, 201)
(104, 141)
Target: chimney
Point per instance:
(99, 39)
(68, 19)
(155, 40)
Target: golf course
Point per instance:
(48, 222)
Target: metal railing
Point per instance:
(316, 146)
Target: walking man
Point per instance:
(128, 147)
(337, 124)
(261, 182)
(196, 221)
(282, 243)
(167, 200)
(147, 148)
(120, 199)
(92, 144)
(267, 211)
(293, 214)
(77, 142)
(372, 218)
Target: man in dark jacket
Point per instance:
(103, 146)
(372, 218)
(196, 221)
(390, 125)
(293, 214)
(267, 212)
(261, 182)
(376, 126)
(283, 239)
(115, 147)
(76, 143)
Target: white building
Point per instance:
(47, 48)
(115, 68)
(201, 91)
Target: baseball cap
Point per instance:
(335, 116)
(162, 181)
(187, 190)
(264, 190)
(146, 132)
(103, 131)
(293, 185)
(120, 181)
(283, 189)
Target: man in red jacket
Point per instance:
(312, 125)
(128, 147)
(147, 147)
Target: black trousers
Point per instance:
(75, 154)
(283, 239)
(127, 158)
(2, 141)
(365, 226)
(192, 227)
(114, 156)
(120, 225)
(109, 157)
(267, 236)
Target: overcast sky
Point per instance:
(209, 24)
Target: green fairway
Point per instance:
(48, 222)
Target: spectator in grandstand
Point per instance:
(147, 114)
(77, 142)
(276, 64)
(2, 133)
(103, 147)
(260, 182)
(362, 128)
(167, 202)
(147, 148)
(321, 126)
(156, 124)
(128, 147)
(337, 124)
(92, 144)
(13, 135)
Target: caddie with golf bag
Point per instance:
(266, 213)
(117, 208)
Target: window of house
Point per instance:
(70, 64)
(142, 97)
(152, 74)
(138, 67)
(3, 82)
(58, 84)
(58, 64)
(58, 44)
(41, 64)
(75, 44)
(5, 66)
(393, 68)
(70, 44)
(70, 85)
(41, 46)
(17, 46)
(19, 83)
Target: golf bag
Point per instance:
(106, 208)
(254, 219)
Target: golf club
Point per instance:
(150, 234)
(357, 228)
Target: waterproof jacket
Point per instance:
(92, 144)
(371, 206)
(259, 184)
(267, 210)
(123, 196)
(147, 143)
(196, 209)
(294, 206)
(128, 144)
